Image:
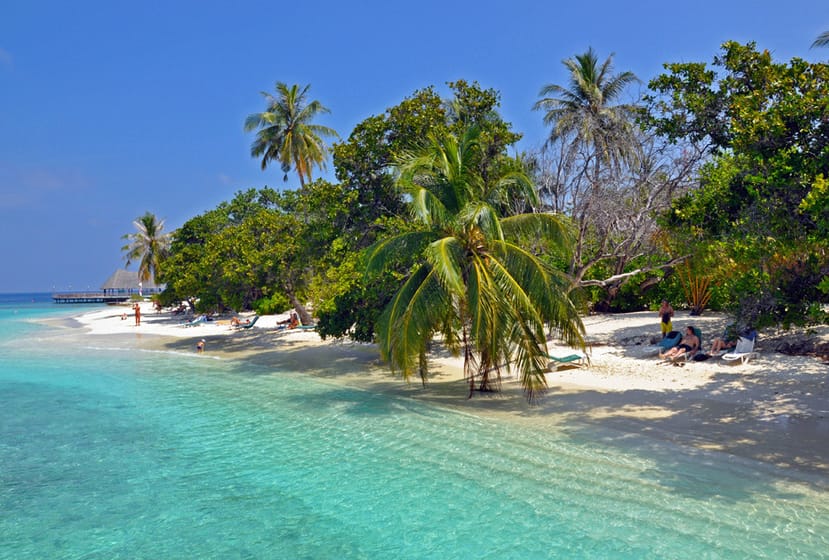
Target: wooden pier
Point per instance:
(90, 297)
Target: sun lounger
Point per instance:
(668, 341)
(197, 321)
(687, 355)
(744, 351)
(243, 326)
(576, 360)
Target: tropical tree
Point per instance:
(822, 40)
(763, 201)
(148, 245)
(287, 134)
(608, 175)
(584, 111)
(201, 262)
(475, 280)
(375, 207)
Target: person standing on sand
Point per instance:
(137, 309)
(666, 313)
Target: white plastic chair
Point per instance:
(744, 351)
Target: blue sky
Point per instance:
(109, 109)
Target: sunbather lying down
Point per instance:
(689, 343)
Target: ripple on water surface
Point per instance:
(112, 453)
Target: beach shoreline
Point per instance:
(773, 410)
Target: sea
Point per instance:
(108, 452)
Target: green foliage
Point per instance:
(374, 207)
(148, 245)
(473, 281)
(584, 111)
(286, 134)
(276, 303)
(207, 255)
(348, 301)
(763, 198)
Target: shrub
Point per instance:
(276, 303)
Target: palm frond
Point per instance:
(549, 290)
(483, 216)
(417, 310)
(391, 248)
(555, 229)
(445, 257)
(822, 40)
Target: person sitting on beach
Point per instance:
(727, 340)
(666, 312)
(236, 321)
(293, 322)
(689, 343)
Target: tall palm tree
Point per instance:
(822, 40)
(148, 245)
(585, 110)
(475, 282)
(286, 133)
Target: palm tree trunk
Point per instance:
(469, 366)
(304, 317)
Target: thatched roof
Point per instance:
(126, 280)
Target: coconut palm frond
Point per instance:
(822, 40)
(286, 133)
(415, 313)
(148, 245)
(386, 250)
(488, 297)
(555, 229)
(445, 257)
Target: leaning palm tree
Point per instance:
(585, 112)
(148, 245)
(822, 40)
(475, 281)
(286, 133)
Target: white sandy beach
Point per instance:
(774, 409)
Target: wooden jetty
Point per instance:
(89, 297)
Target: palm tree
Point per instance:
(286, 133)
(148, 245)
(822, 40)
(475, 282)
(584, 111)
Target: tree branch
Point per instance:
(620, 277)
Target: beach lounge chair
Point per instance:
(744, 351)
(689, 354)
(197, 321)
(575, 360)
(243, 326)
(668, 341)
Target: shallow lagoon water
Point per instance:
(110, 452)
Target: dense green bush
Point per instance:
(277, 303)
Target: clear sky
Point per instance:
(109, 109)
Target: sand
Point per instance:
(774, 409)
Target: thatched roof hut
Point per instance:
(126, 282)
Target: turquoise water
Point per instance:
(107, 452)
